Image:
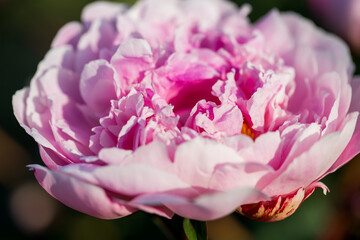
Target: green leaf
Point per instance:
(195, 230)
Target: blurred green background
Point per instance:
(28, 212)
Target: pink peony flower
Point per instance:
(184, 107)
(340, 16)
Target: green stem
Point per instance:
(195, 230)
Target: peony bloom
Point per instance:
(340, 16)
(184, 107)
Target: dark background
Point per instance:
(27, 28)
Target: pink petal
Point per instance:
(229, 176)
(195, 160)
(100, 36)
(276, 33)
(53, 159)
(269, 143)
(353, 148)
(62, 57)
(101, 10)
(132, 58)
(80, 195)
(97, 86)
(299, 174)
(129, 179)
(206, 207)
(56, 81)
(19, 106)
(69, 34)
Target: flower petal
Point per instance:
(80, 195)
(97, 86)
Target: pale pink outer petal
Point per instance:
(114, 156)
(248, 149)
(312, 164)
(195, 160)
(52, 112)
(337, 57)
(299, 138)
(207, 14)
(152, 19)
(70, 130)
(65, 116)
(340, 92)
(154, 154)
(63, 57)
(80, 195)
(130, 179)
(94, 42)
(263, 149)
(52, 159)
(60, 81)
(229, 176)
(208, 206)
(276, 33)
(69, 34)
(311, 51)
(19, 106)
(160, 209)
(353, 148)
(48, 149)
(202, 156)
(101, 10)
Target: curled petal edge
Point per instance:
(279, 207)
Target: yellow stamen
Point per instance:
(247, 131)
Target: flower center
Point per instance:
(247, 131)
